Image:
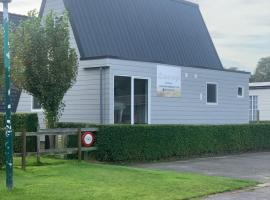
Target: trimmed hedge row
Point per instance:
(20, 122)
(127, 143)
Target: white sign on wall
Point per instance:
(168, 81)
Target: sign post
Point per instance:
(9, 134)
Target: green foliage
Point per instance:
(262, 73)
(20, 122)
(125, 143)
(46, 64)
(75, 125)
(145, 143)
(12, 29)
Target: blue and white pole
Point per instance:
(9, 134)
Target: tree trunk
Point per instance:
(51, 121)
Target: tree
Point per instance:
(262, 72)
(46, 66)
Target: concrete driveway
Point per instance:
(253, 166)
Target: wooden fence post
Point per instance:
(38, 149)
(23, 150)
(79, 145)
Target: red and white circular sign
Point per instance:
(88, 139)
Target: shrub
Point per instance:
(143, 143)
(125, 143)
(20, 122)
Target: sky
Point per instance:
(240, 29)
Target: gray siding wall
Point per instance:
(25, 106)
(190, 108)
(263, 102)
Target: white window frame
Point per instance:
(253, 113)
(210, 103)
(243, 91)
(132, 96)
(32, 106)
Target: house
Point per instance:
(146, 62)
(259, 109)
(15, 19)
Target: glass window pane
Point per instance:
(140, 101)
(211, 93)
(122, 100)
(254, 108)
(240, 91)
(36, 104)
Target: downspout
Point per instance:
(101, 95)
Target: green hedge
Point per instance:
(141, 143)
(147, 143)
(20, 122)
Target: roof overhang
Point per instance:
(105, 60)
(42, 7)
(259, 86)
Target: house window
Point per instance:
(240, 92)
(131, 100)
(35, 104)
(211, 93)
(253, 108)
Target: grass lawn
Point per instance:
(70, 180)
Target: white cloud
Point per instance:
(23, 6)
(240, 28)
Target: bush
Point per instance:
(144, 143)
(125, 143)
(20, 122)
(75, 125)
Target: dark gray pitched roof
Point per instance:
(42, 7)
(164, 31)
(15, 93)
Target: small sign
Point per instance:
(168, 81)
(88, 139)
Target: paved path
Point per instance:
(254, 166)
(260, 193)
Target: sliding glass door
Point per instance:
(122, 100)
(131, 100)
(140, 101)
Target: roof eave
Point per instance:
(42, 7)
(158, 62)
